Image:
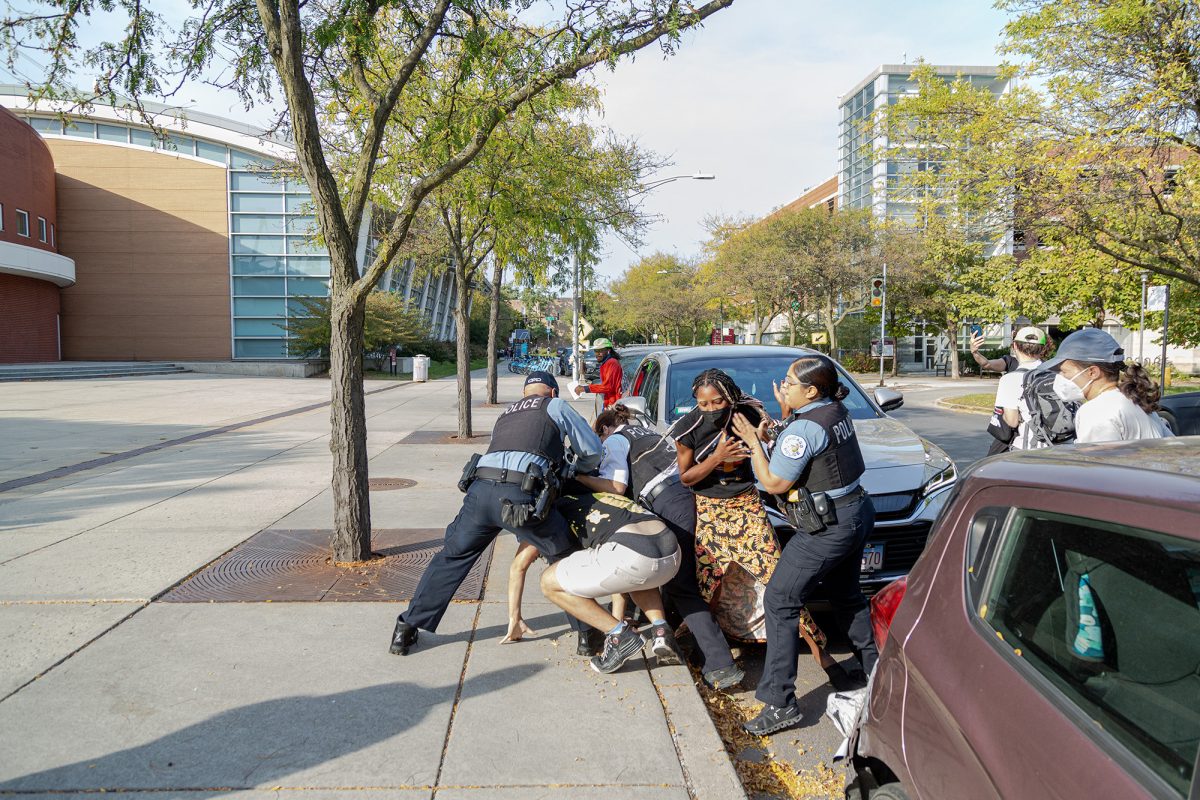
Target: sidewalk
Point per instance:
(107, 685)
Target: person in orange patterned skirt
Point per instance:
(736, 547)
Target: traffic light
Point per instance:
(876, 292)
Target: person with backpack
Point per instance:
(1009, 422)
(1118, 400)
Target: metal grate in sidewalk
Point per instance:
(295, 566)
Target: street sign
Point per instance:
(551, 319)
(877, 291)
(889, 348)
(1156, 298)
(820, 337)
(585, 329)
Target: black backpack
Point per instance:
(1051, 419)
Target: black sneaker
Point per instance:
(664, 647)
(618, 648)
(724, 678)
(589, 643)
(772, 719)
(404, 637)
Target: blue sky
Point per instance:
(751, 98)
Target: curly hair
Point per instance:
(614, 417)
(1136, 384)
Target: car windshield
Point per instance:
(754, 375)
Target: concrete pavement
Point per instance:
(103, 687)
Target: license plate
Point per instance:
(872, 559)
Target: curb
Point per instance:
(707, 766)
(942, 402)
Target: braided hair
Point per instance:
(729, 391)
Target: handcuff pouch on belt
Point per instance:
(808, 512)
(542, 486)
(468, 473)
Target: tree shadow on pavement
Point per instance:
(263, 744)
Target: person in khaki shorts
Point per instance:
(627, 550)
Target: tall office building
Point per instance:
(868, 179)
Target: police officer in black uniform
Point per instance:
(815, 469)
(641, 464)
(511, 487)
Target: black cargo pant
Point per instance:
(676, 506)
(476, 526)
(832, 557)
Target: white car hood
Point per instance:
(894, 455)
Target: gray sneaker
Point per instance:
(618, 648)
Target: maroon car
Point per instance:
(1047, 643)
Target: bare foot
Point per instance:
(516, 631)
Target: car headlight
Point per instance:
(940, 471)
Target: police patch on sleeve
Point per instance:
(793, 446)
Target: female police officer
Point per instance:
(815, 466)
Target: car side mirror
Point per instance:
(635, 404)
(888, 399)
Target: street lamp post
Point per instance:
(577, 356)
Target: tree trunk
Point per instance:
(494, 329)
(952, 335)
(462, 319)
(351, 539)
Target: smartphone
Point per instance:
(976, 330)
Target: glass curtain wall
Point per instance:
(274, 261)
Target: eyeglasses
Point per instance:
(788, 380)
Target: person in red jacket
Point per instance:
(610, 372)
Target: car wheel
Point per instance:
(890, 791)
(1169, 418)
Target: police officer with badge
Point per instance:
(513, 486)
(815, 469)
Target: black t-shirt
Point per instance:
(1010, 362)
(598, 518)
(729, 479)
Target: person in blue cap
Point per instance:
(1119, 399)
(507, 489)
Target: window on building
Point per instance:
(43, 233)
(1170, 181)
(1110, 616)
(22, 223)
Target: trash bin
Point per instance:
(420, 368)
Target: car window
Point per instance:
(649, 389)
(754, 375)
(1110, 615)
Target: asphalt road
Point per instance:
(809, 748)
(960, 434)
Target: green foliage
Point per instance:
(661, 294)
(389, 322)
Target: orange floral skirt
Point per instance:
(736, 553)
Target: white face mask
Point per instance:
(1068, 391)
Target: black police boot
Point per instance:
(404, 637)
